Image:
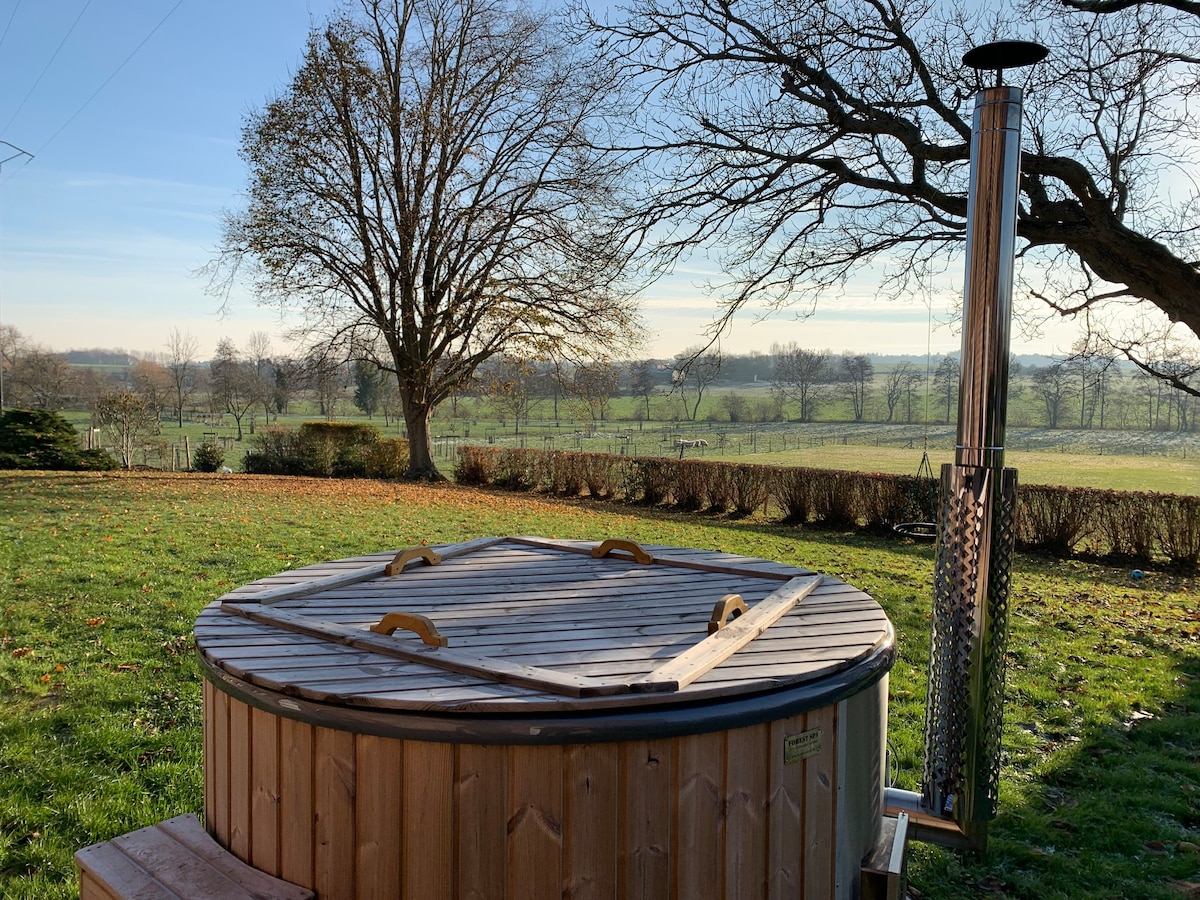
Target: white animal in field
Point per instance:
(687, 445)
(225, 470)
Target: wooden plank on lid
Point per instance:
(440, 657)
(716, 648)
(677, 559)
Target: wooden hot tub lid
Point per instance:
(526, 625)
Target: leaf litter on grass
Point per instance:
(1101, 736)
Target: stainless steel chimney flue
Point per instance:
(964, 705)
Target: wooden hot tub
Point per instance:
(580, 735)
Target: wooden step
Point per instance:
(174, 860)
(885, 869)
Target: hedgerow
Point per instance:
(327, 449)
(1139, 527)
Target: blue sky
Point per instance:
(101, 232)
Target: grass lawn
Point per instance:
(101, 577)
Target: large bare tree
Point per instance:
(813, 142)
(427, 188)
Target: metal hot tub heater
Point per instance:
(965, 698)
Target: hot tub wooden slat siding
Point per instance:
(717, 815)
(295, 802)
(264, 791)
(377, 823)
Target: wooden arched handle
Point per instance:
(729, 606)
(404, 557)
(639, 555)
(424, 628)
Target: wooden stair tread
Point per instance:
(174, 860)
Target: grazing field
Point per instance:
(101, 577)
(1167, 475)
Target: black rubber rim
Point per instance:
(574, 727)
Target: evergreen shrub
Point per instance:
(41, 439)
(208, 457)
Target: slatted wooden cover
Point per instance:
(519, 603)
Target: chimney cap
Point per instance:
(1000, 55)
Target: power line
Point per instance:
(114, 74)
(7, 26)
(46, 67)
(105, 83)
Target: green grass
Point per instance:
(101, 577)
(1171, 475)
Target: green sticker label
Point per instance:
(801, 746)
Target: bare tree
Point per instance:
(811, 139)
(801, 376)
(154, 383)
(235, 385)
(695, 371)
(12, 345)
(591, 387)
(897, 382)
(258, 354)
(856, 372)
(42, 379)
(946, 379)
(180, 362)
(509, 384)
(126, 419)
(735, 406)
(642, 384)
(1050, 384)
(325, 375)
(429, 183)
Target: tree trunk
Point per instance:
(421, 466)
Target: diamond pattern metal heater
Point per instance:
(965, 700)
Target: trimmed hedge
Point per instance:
(327, 449)
(1137, 527)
